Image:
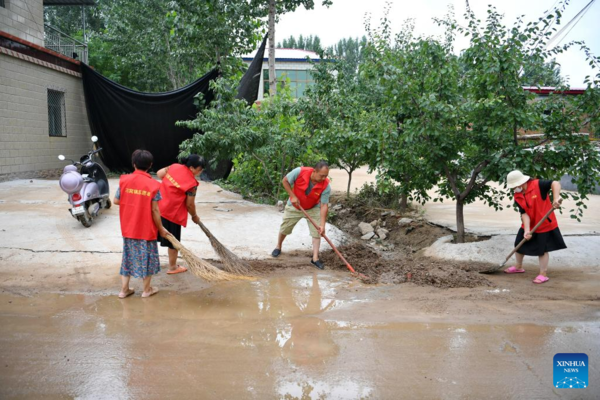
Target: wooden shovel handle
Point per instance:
(328, 241)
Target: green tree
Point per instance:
(274, 8)
(384, 61)
(342, 117)
(462, 116)
(539, 73)
(349, 49)
(310, 43)
(69, 19)
(265, 142)
(165, 45)
(156, 46)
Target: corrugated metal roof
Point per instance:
(69, 2)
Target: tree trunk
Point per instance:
(403, 202)
(404, 196)
(460, 222)
(272, 77)
(349, 182)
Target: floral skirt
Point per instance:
(140, 258)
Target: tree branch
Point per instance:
(452, 180)
(537, 144)
(473, 179)
(265, 167)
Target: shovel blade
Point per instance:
(493, 269)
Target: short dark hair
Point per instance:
(193, 160)
(142, 159)
(321, 164)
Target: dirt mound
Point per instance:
(421, 271)
(416, 235)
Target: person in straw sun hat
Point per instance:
(533, 202)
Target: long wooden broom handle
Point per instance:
(532, 231)
(204, 229)
(328, 241)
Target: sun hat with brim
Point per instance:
(516, 178)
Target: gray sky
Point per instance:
(345, 18)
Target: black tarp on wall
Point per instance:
(125, 120)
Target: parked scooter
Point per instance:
(87, 186)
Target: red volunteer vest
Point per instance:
(301, 184)
(175, 184)
(531, 201)
(135, 205)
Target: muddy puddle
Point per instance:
(291, 337)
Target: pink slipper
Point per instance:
(177, 270)
(514, 270)
(541, 279)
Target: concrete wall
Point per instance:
(23, 19)
(25, 144)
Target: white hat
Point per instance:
(516, 178)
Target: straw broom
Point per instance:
(231, 262)
(201, 268)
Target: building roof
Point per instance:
(546, 90)
(296, 55)
(69, 2)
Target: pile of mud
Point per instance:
(422, 271)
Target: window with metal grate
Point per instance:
(2, 4)
(57, 117)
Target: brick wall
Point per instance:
(23, 19)
(25, 144)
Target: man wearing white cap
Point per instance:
(533, 202)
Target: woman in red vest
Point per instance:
(178, 189)
(138, 196)
(533, 202)
(311, 190)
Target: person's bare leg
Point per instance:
(316, 242)
(544, 264)
(280, 240)
(125, 290)
(519, 258)
(172, 259)
(148, 290)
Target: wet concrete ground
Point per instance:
(299, 336)
(294, 333)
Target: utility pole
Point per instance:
(272, 77)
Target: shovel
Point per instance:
(354, 273)
(496, 268)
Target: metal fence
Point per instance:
(57, 114)
(64, 44)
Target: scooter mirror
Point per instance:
(94, 139)
(61, 157)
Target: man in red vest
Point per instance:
(533, 201)
(310, 190)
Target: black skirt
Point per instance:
(173, 228)
(540, 243)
